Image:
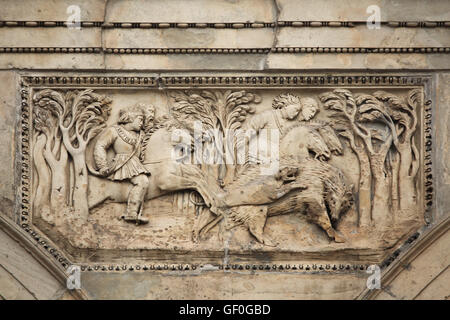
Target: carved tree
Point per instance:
(55, 154)
(404, 114)
(380, 130)
(219, 112)
(344, 113)
(41, 205)
(383, 136)
(80, 116)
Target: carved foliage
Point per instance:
(67, 121)
(380, 130)
(221, 114)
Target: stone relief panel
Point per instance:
(175, 168)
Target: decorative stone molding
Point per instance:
(411, 252)
(44, 94)
(230, 25)
(282, 50)
(42, 256)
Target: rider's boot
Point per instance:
(134, 213)
(140, 219)
(136, 200)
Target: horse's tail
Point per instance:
(92, 170)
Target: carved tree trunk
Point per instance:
(395, 184)
(59, 186)
(364, 191)
(408, 197)
(42, 196)
(381, 210)
(80, 191)
(365, 181)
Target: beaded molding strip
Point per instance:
(222, 25)
(158, 51)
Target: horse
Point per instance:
(168, 173)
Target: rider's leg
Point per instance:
(136, 198)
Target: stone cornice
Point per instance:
(414, 249)
(44, 259)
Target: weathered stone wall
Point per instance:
(235, 38)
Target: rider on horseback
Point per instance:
(126, 139)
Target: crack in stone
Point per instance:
(101, 34)
(275, 34)
(389, 292)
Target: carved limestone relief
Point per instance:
(305, 170)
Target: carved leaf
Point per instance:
(191, 107)
(415, 98)
(81, 113)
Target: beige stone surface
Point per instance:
(53, 10)
(78, 61)
(361, 36)
(355, 61)
(437, 289)
(426, 276)
(442, 147)
(190, 11)
(350, 10)
(225, 62)
(22, 276)
(186, 62)
(223, 285)
(50, 37)
(8, 118)
(188, 38)
(11, 288)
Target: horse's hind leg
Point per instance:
(96, 198)
(173, 182)
(202, 221)
(211, 224)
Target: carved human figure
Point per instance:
(287, 108)
(288, 111)
(125, 139)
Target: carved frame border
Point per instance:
(27, 82)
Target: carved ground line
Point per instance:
(45, 244)
(290, 50)
(221, 25)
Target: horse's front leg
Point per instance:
(173, 182)
(203, 219)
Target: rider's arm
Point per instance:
(105, 140)
(257, 123)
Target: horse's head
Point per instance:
(164, 142)
(318, 146)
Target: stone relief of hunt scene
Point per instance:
(270, 170)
